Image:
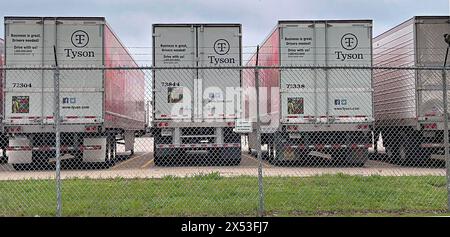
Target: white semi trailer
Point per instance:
(98, 108)
(194, 109)
(408, 103)
(314, 112)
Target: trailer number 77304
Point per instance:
(21, 85)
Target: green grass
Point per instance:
(213, 195)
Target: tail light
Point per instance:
(15, 129)
(363, 126)
(90, 129)
(163, 124)
(430, 126)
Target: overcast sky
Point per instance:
(132, 19)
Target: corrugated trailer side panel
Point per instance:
(124, 89)
(269, 80)
(394, 91)
(248, 82)
(2, 56)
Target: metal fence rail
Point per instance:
(162, 140)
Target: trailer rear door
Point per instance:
(196, 94)
(219, 46)
(29, 93)
(174, 46)
(331, 93)
(430, 52)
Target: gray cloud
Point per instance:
(132, 19)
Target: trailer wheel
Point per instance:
(406, 150)
(412, 155)
(3, 159)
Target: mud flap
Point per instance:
(94, 155)
(19, 156)
(129, 140)
(360, 156)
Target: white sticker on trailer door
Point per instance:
(23, 43)
(301, 45)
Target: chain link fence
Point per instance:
(193, 141)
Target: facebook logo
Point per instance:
(67, 100)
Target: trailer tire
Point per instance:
(406, 150)
(413, 156)
(3, 160)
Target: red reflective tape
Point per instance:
(19, 148)
(94, 147)
(47, 148)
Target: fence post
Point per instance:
(446, 148)
(57, 136)
(258, 141)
